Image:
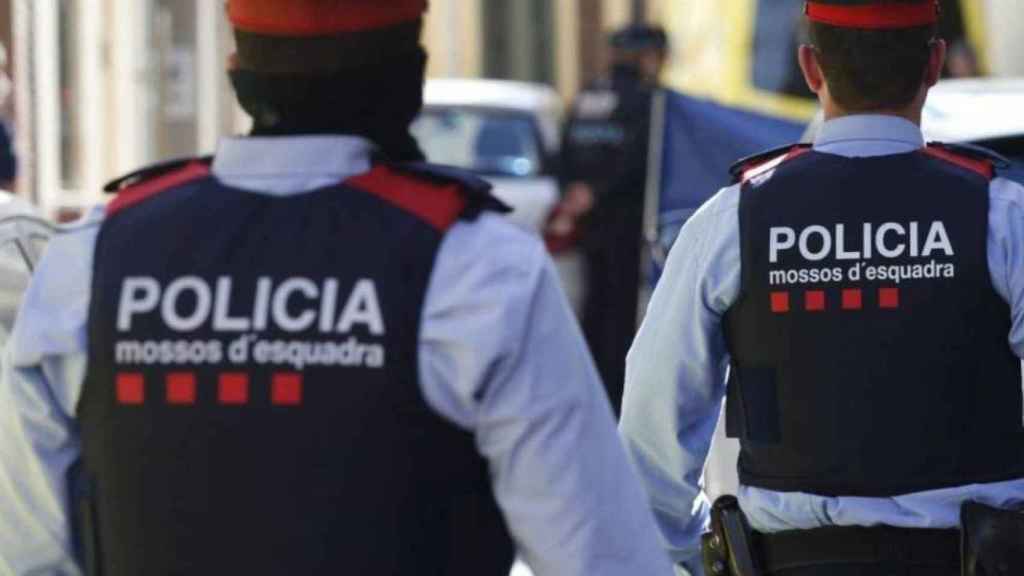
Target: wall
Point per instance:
(1005, 20)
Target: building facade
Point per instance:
(105, 86)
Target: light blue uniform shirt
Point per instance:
(500, 354)
(675, 377)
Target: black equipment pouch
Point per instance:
(992, 540)
(728, 550)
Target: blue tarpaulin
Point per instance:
(701, 140)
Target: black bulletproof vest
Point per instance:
(253, 403)
(870, 352)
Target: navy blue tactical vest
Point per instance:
(253, 403)
(870, 352)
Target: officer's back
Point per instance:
(863, 295)
(310, 354)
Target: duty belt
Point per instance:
(858, 545)
(732, 548)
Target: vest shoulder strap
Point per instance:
(753, 166)
(974, 158)
(147, 182)
(153, 171)
(439, 195)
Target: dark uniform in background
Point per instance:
(864, 294)
(605, 167)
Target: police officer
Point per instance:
(605, 169)
(311, 354)
(865, 296)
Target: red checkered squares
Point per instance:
(181, 388)
(850, 299)
(233, 389)
(889, 298)
(131, 389)
(853, 299)
(780, 302)
(814, 301)
(286, 389)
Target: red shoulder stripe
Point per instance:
(983, 167)
(437, 205)
(756, 169)
(138, 193)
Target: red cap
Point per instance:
(321, 17)
(874, 15)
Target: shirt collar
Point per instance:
(330, 157)
(868, 135)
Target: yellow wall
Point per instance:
(712, 55)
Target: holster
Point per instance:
(992, 540)
(728, 549)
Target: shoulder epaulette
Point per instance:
(145, 184)
(436, 195)
(760, 163)
(975, 158)
(477, 189)
(152, 172)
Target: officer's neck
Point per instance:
(911, 112)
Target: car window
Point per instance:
(14, 277)
(493, 143)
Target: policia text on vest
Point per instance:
(864, 253)
(293, 305)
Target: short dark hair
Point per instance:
(319, 55)
(873, 69)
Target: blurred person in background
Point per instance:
(962, 61)
(859, 304)
(313, 354)
(605, 152)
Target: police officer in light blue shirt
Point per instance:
(860, 305)
(311, 354)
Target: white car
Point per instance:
(985, 111)
(23, 234)
(980, 111)
(507, 132)
(510, 134)
(975, 110)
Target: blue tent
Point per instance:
(699, 141)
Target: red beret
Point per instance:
(873, 14)
(321, 17)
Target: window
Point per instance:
(519, 40)
(174, 51)
(69, 97)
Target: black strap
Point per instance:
(152, 171)
(857, 545)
